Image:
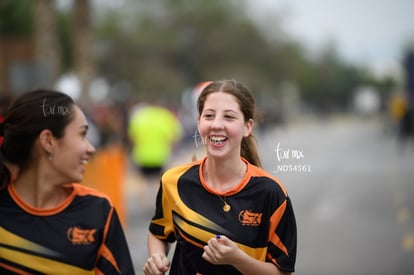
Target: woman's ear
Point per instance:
(46, 140)
(248, 127)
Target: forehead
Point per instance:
(78, 117)
(221, 99)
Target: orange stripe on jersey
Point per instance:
(273, 260)
(274, 222)
(189, 240)
(39, 211)
(107, 254)
(230, 192)
(78, 189)
(107, 224)
(83, 190)
(258, 172)
(103, 250)
(13, 269)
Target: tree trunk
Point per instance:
(47, 62)
(84, 63)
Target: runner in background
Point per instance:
(153, 130)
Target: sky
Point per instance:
(373, 33)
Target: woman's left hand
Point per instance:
(220, 250)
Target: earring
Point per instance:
(50, 157)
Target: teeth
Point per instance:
(214, 138)
(84, 161)
(217, 140)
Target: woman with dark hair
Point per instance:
(225, 213)
(49, 223)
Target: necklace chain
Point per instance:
(226, 206)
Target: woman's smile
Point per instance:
(217, 140)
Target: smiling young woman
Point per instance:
(225, 213)
(48, 221)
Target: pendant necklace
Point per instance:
(226, 207)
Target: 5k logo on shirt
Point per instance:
(79, 236)
(249, 218)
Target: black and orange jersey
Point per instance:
(83, 235)
(261, 219)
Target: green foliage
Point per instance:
(15, 18)
(65, 40)
(168, 46)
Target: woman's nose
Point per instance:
(91, 149)
(217, 123)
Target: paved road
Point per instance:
(352, 190)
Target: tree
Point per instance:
(82, 40)
(47, 57)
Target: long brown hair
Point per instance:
(27, 117)
(246, 102)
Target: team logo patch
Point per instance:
(249, 218)
(78, 235)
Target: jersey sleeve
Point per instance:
(114, 256)
(283, 237)
(161, 224)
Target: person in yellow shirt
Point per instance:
(153, 130)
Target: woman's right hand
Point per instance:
(157, 264)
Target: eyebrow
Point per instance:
(231, 110)
(227, 110)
